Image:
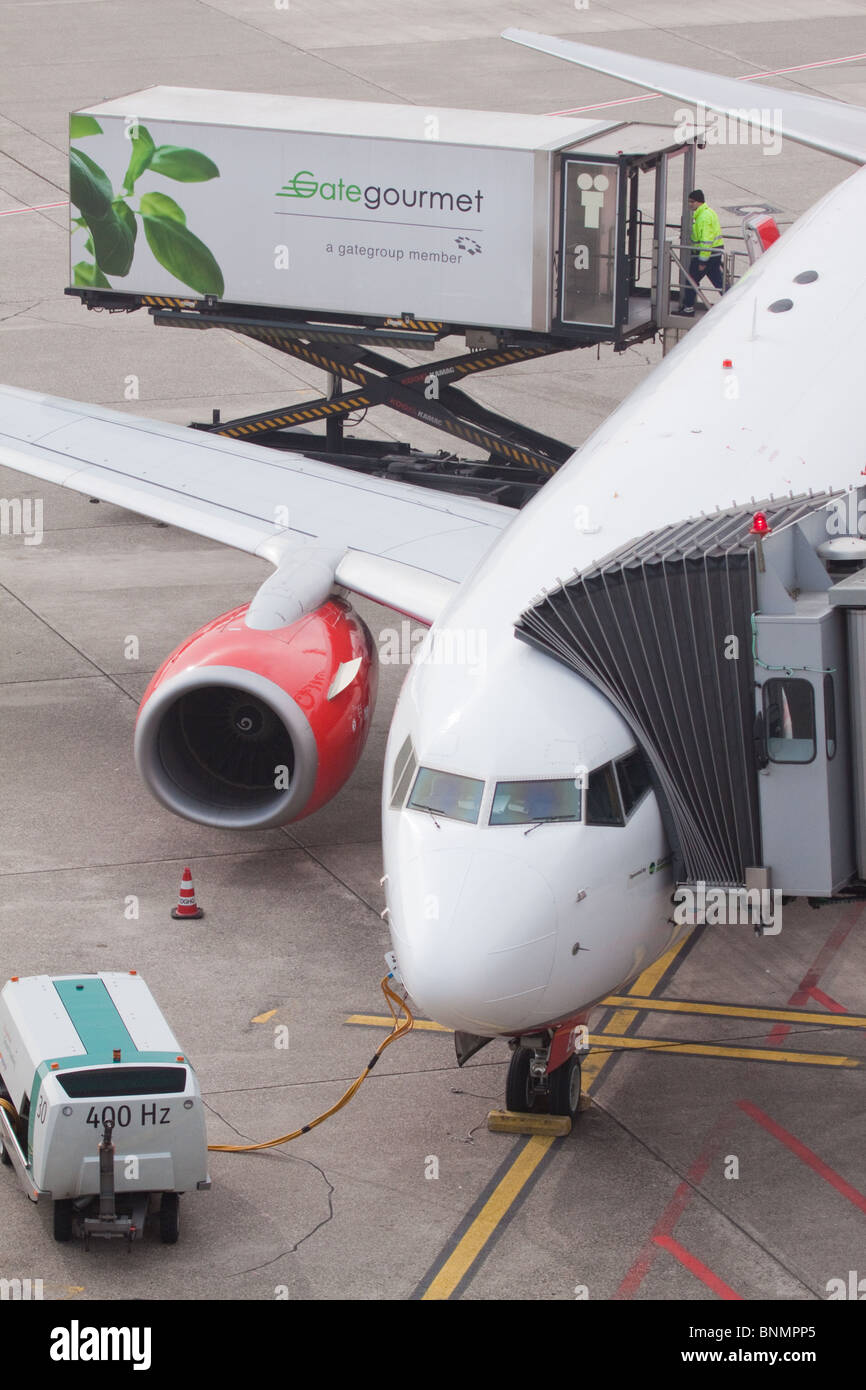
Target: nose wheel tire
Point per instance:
(565, 1089)
(561, 1096)
(521, 1095)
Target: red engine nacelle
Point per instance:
(243, 728)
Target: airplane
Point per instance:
(528, 872)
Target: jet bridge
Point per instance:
(734, 646)
(524, 236)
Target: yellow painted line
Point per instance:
(648, 979)
(380, 1021)
(690, 1006)
(623, 1019)
(263, 1018)
(473, 1242)
(614, 1042)
(469, 1247)
(743, 1054)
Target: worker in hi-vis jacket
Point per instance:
(707, 247)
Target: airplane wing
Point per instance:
(832, 126)
(400, 545)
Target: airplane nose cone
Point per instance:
(474, 933)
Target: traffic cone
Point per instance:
(187, 907)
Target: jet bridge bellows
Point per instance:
(664, 629)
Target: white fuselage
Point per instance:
(485, 919)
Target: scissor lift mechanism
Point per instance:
(617, 302)
(360, 377)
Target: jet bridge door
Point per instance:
(801, 690)
(593, 281)
(615, 198)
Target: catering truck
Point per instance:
(353, 207)
(335, 231)
(101, 1112)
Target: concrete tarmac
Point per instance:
(643, 1200)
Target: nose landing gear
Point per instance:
(544, 1073)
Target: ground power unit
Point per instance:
(102, 1112)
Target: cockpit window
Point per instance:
(447, 794)
(521, 803)
(405, 768)
(602, 798)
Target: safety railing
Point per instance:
(671, 258)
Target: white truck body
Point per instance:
(79, 1050)
(349, 207)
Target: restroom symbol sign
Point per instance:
(592, 191)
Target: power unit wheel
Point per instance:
(520, 1095)
(565, 1088)
(169, 1218)
(63, 1219)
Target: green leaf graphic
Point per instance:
(85, 273)
(183, 255)
(125, 213)
(113, 242)
(143, 149)
(88, 246)
(187, 166)
(160, 205)
(89, 186)
(79, 126)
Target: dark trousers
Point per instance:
(712, 267)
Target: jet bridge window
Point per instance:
(602, 798)
(522, 803)
(447, 794)
(789, 718)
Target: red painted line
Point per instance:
(685, 1192)
(805, 1155)
(826, 1002)
(809, 983)
(673, 1211)
(697, 1268)
(11, 212)
(749, 77)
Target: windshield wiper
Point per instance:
(429, 809)
(548, 820)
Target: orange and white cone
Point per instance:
(187, 907)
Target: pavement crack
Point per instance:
(289, 1158)
(18, 312)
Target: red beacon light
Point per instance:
(760, 525)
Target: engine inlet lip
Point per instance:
(287, 803)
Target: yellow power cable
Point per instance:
(399, 1030)
(7, 1105)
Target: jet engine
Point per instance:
(244, 727)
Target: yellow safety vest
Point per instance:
(706, 232)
